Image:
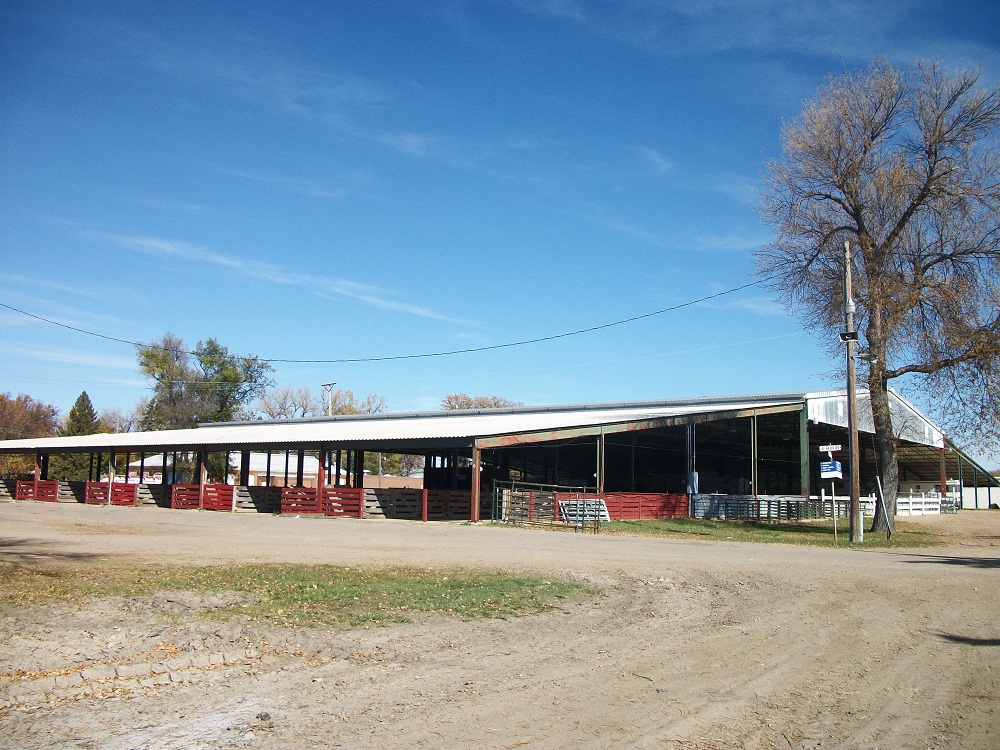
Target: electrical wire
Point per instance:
(397, 357)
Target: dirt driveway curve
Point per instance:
(692, 645)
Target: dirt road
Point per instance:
(691, 644)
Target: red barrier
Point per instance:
(343, 501)
(184, 496)
(47, 491)
(217, 497)
(636, 506)
(332, 501)
(299, 500)
(96, 493)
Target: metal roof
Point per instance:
(452, 427)
(462, 428)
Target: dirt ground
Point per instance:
(690, 645)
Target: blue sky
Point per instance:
(350, 180)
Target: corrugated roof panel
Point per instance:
(397, 428)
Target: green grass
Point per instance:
(299, 594)
(812, 533)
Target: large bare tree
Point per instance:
(903, 164)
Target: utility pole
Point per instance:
(329, 397)
(850, 338)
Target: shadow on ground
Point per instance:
(16, 550)
(968, 640)
(970, 562)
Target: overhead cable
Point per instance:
(397, 357)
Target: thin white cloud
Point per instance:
(658, 160)
(172, 206)
(75, 289)
(71, 357)
(301, 186)
(322, 286)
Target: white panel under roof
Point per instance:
(830, 407)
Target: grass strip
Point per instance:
(297, 594)
(813, 533)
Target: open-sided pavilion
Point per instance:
(666, 454)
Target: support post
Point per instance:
(944, 471)
(804, 473)
(423, 504)
(359, 469)
(476, 460)
(202, 477)
(320, 479)
(599, 479)
(691, 436)
(111, 477)
(300, 468)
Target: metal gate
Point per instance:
(520, 503)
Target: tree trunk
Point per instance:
(886, 451)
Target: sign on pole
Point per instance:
(830, 448)
(830, 470)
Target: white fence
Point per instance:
(915, 504)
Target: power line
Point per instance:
(398, 357)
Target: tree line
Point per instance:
(196, 386)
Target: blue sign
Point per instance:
(830, 470)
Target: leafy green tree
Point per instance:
(23, 417)
(208, 384)
(82, 420)
(904, 165)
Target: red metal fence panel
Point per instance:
(48, 491)
(299, 500)
(217, 497)
(124, 494)
(184, 496)
(96, 493)
(343, 501)
(636, 506)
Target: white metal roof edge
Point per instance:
(457, 425)
(733, 401)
